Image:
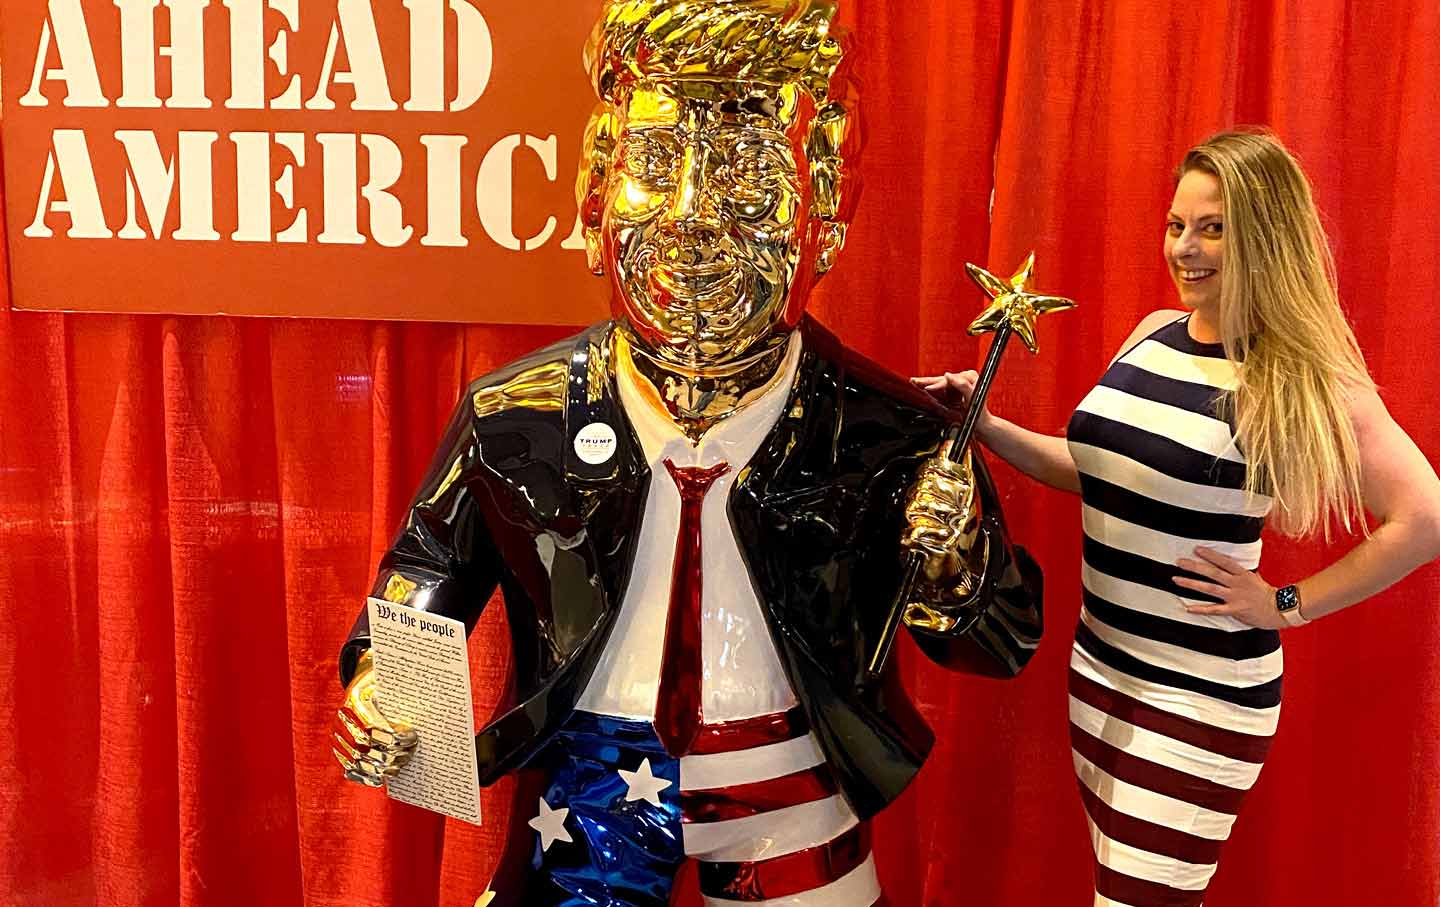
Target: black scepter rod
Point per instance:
(953, 446)
(1012, 310)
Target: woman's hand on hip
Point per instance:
(1244, 595)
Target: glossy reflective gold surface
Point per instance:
(955, 588)
(399, 589)
(369, 747)
(949, 550)
(697, 400)
(1012, 303)
(706, 226)
(541, 387)
(942, 515)
(763, 41)
(941, 509)
(713, 187)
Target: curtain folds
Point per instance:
(191, 509)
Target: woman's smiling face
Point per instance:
(1195, 240)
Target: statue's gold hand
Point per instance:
(370, 747)
(942, 515)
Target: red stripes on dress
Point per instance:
(1234, 744)
(1159, 779)
(1137, 832)
(1148, 836)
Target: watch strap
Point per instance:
(1287, 602)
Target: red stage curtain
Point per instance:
(191, 509)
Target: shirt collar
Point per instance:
(733, 439)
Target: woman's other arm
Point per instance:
(1403, 494)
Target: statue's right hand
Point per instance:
(954, 390)
(370, 747)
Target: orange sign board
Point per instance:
(395, 159)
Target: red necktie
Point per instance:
(677, 712)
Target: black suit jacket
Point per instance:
(818, 513)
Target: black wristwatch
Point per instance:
(1287, 602)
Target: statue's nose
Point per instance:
(689, 184)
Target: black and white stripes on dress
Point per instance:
(1171, 713)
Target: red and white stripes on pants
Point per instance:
(766, 822)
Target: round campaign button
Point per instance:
(595, 443)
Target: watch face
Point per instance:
(1287, 599)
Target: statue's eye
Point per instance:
(758, 176)
(649, 157)
(755, 166)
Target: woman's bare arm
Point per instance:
(1045, 458)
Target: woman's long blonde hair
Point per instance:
(1297, 361)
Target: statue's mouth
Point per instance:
(710, 286)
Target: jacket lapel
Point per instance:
(774, 504)
(603, 465)
(605, 480)
(602, 458)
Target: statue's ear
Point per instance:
(832, 240)
(590, 186)
(590, 230)
(828, 181)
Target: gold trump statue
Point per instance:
(699, 511)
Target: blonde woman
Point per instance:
(1254, 404)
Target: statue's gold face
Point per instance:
(707, 225)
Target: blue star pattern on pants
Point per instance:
(623, 848)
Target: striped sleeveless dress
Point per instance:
(1171, 713)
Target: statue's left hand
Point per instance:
(369, 746)
(942, 515)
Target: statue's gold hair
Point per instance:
(779, 43)
(775, 42)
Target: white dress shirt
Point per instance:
(743, 677)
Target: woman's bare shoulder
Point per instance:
(1147, 326)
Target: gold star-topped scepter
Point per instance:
(1013, 310)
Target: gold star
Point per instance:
(1012, 304)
